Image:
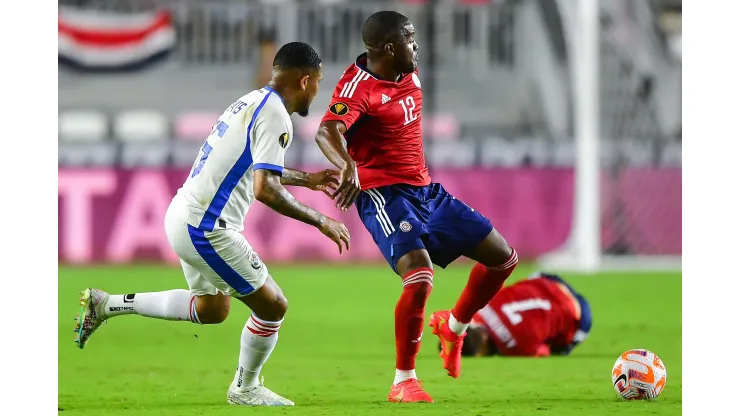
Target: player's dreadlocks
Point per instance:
(296, 55)
(381, 27)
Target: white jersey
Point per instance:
(253, 133)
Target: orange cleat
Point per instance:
(451, 342)
(409, 391)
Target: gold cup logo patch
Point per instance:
(339, 109)
(284, 140)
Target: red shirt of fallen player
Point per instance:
(383, 121)
(536, 317)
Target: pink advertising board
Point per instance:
(116, 215)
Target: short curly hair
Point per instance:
(382, 26)
(296, 55)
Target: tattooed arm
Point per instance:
(294, 177)
(324, 181)
(269, 190)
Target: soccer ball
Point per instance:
(639, 375)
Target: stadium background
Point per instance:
(142, 81)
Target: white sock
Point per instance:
(258, 340)
(456, 326)
(403, 375)
(172, 305)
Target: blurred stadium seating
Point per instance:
(496, 76)
(514, 84)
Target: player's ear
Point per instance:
(304, 81)
(388, 48)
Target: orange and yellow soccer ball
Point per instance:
(639, 375)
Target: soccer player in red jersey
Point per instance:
(538, 317)
(372, 132)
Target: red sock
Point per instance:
(417, 284)
(483, 284)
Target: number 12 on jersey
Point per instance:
(408, 106)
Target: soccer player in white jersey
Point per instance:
(240, 161)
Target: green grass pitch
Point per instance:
(336, 351)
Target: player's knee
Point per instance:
(213, 309)
(494, 251)
(277, 309)
(413, 260)
(502, 255)
(213, 316)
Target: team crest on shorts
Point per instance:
(254, 260)
(405, 226)
(339, 109)
(284, 140)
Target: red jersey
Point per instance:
(532, 316)
(383, 121)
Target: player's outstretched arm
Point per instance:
(330, 138)
(269, 190)
(324, 180)
(294, 177)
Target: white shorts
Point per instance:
(213, 261)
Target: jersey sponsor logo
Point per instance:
(416, 80)
(284, 140)
(255, 261)
(405, 226)
(339, 109)
(384, 99)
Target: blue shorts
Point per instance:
(402, 218)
